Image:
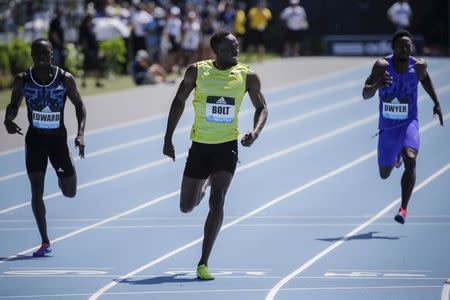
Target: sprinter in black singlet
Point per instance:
(45, 87)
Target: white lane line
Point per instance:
(269, 91)
(99, 130)
(99, 181)
(59, 268)
(178, 226)
(387, 278)
(290, 100)
(221, 269)
(268, 128)
(105, 151)
(173, 194)
(379, 270)
(218, 291)
(115, 217)
(349, 235)
(284, 102)
(190, 274)
(241, 168)
(320, 179)
(287, 101)
(293, 85)
(184, 218)
(299, 189)
(446, 291)
(168, 196)
(184, 154)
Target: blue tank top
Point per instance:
(45, 104)
(398, 102)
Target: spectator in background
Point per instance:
(227, 16)
(295, 21)
(173, 29)
(191, 39)
(90, 49)
(209, 26)
(39, 25)
(259, 17)
(153, 30)
(9, 23)
(239, 24)
(145, 73)
(139, 18)
(400, 14)
(209, 7)
(56, 38)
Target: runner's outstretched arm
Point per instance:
(425, 80)
(253, 85)
(80, 109)
(177, 108)
(13, 107)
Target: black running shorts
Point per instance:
(206, 159)
(40, 147)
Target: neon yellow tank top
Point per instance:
(217, 99)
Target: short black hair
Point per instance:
(399, 34)
(39, 40)
(217, 38)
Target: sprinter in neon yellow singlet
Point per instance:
(220, 86)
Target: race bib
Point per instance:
(46, 119)
(219, 109)
(395, 110)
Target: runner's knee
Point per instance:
(184, 208)
(68, 186)
(385, 173)
(188, 200)
(410, 163)
(69, 193)
(409, 158)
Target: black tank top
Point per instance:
(45, 104)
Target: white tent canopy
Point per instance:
(110, 28)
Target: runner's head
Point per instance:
(41, 52)
(225, 47)
(402, 44)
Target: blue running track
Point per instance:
(306, 216)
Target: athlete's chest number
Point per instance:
(46, 119)
(395, 110)
(220, 109)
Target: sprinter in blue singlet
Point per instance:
(396, 78)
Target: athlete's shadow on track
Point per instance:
(362, 236)
(163, 279)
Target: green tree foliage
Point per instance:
(114, 55)
(5, 70)
(19, 53)
(74, 59)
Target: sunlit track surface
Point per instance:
(310, 183)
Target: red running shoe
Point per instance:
(401, 216)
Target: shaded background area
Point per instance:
(336, 28)
(326, 17)
(367, 17)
